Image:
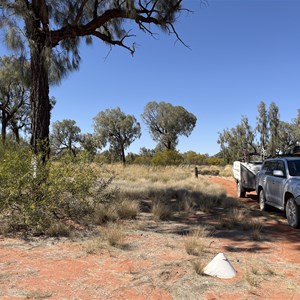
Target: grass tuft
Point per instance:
(198, 266)
(161, 211)
(115, 235)
(196, 242)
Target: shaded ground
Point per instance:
(153, 264)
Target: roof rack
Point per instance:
(286, 155)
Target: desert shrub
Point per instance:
(167, 158)
(215, 161)
(36, 195)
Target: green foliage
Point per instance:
(34, 195)
(215, 161)
(89, 145)
(270, 137)
(167, 158)
(193, 158)
(262, 126)
(119, 130)
(65, 135)
(14, 96)
(167, 122)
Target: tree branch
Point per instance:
(143, 15)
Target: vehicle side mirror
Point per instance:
(278, 173)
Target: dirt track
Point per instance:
(154, 264)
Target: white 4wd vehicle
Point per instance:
(278, 185)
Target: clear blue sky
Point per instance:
(242, 52)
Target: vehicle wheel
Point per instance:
(240, 191)
(292, 213)
(262, 201)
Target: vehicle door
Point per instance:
(277, 184)
(269, 182)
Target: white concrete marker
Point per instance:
(220, 267)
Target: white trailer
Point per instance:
(245, 176)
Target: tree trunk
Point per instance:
(123, 155)
(39, 97)
(16, 134)
(3, 127)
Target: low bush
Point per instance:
(35, 196)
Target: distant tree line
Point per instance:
(115, 131)
(269, 137)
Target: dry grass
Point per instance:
(105, 213)
(198, 266)
(95, 245)
(167, 184)
(256, 227)
(115, 234)
(162, 248)
(128, 209)
(161, 211)
(39, 295)
(226, 171)
(197, 241)
(59, 229)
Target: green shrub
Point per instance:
(167, 158)
(37, 197)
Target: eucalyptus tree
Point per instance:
(167, 122)
(14, 95)
(238, 142)
(286, 136)
(274, 122)
(117, 129)
(52, 30)
(262, 127)
(89, 144)
(296, 128)
(65, 135)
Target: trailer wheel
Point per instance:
(292, 213)
(240, 190)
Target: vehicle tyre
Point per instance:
(262, 201)
(240, 191)
(292, 213)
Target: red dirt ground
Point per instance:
(153, 264)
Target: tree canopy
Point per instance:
(65, 135)
(14, 95)
(270, 137)
(167, 122)
(116, 128)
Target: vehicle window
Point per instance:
(266, 166)
(281, 167)
(294, 167)
(270, 167)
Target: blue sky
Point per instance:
(242, 52)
